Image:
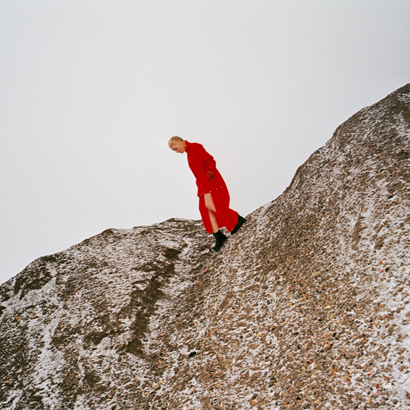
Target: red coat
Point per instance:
(200, 161)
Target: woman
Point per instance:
(212, 191)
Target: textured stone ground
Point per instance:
(305, 307)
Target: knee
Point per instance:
(210, 207)
(209, 203)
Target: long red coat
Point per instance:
(200, 161)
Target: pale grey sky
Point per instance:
(91, 91)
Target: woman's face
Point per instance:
(178, 147)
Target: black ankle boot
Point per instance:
(241, 221)
(220, 239)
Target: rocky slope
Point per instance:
(305, 307)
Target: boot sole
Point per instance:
(238, 225)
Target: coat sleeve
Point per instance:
(205, 158)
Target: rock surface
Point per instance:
(306, 307)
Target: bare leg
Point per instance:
(209, 203)
(214, 224)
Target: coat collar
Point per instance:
(187, 145)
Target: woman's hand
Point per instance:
(210, 174)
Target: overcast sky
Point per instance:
(91, 91)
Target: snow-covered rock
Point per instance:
(305, 307)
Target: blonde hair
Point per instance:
(174, 140)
